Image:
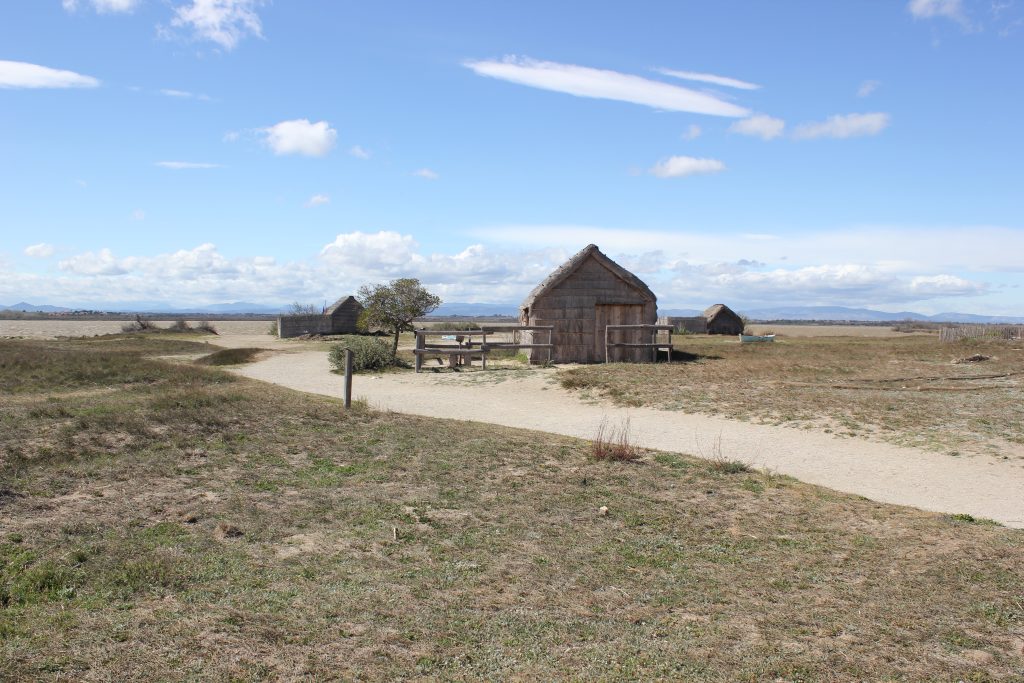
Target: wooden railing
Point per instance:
(465, 346)
(654, 345)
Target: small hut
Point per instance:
(723, 320)
(580, 298)
(344, 314)
(338, 318)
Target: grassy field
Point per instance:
(169, 521)
(903, 390)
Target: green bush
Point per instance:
(370, 353)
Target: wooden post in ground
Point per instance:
(420, 343)
(348, 378)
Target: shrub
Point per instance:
(370, 353)
(205, 326)
(180, 326)
(272, 330)
(611, 443)
(229, 357)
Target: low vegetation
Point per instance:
(165, 521)
(905, 390)
(368, 353)
(231, 356)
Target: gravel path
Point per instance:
(980, 485)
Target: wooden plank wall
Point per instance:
(570, 308)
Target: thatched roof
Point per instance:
(574, 263)
(712, 311)
(330, 310)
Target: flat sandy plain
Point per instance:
(51, 329)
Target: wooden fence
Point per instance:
(953, 334)
(465, 347)
(654, 345)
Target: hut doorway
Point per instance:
(617, 314)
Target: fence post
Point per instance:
(348, 378)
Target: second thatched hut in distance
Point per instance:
(723, 320)
(580, 298)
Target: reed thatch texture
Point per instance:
(581, 297)
(344, 314)
(723, 320)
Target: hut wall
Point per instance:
(344, 319)
(725, 322)
(571, 307)
(298, 325)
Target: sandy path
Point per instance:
(980, 485)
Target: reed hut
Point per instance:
(723, 320)
(344, 314)
(580, 298)
(338, 318)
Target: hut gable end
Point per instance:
(585, 293)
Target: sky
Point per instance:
(192, 152)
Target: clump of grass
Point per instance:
(965, 518)
(729, 466)
(230, 357)
(614, 443)
(205, 327)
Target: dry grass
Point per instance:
(164, 521)
(903, 390)
(231, 356)
(614, 443)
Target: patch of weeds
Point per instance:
(725, 466)
(964, 518)
(614, 443)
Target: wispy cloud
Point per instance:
(583, 81)
(760, 125)
(317, 200)
(843, 126)
(26, 75)
(692, 132)
(948, 9)
(185, 165)
(358, 152)
(426, 174)
(300, 136)
(138, 215)
(41, 250)
(868, 87)
(680, 166)
(183, 94)
(103, 6)
(224, 22)
(709, 78)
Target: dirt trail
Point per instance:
(981, 486)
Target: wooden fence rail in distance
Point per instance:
(953, 334)
(654, 345)
(466, 347)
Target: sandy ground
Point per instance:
(50, 329)
(531, 399)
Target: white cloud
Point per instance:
(843, 126)
(138, 215)
(104, 6)
(679, 166)
(759, 125)
(183, 94)
(102, 262)
(183, 165)
(583, 81)
(299, 136)
(225, 22)
(929, 9)
(709, 78)
(317, 200)
(25, 75)
(41, 250)
(692, 132)
(683, 269)
(868, 87)
(426, 174)
(358, 152)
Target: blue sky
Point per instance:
(805, 153)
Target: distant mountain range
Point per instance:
(837, 313)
